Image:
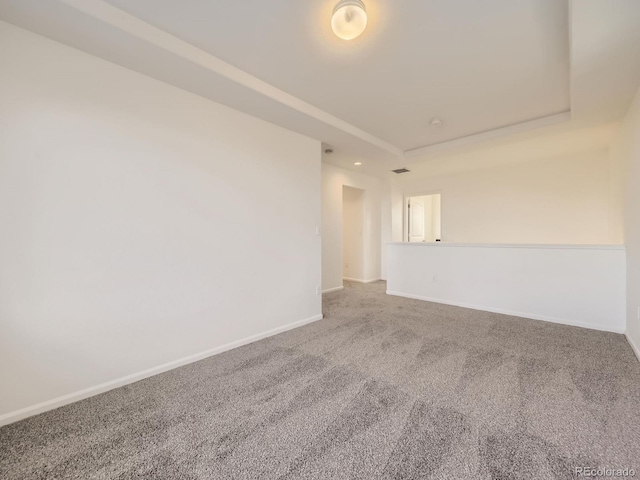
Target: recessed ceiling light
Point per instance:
(357, 164)
(436, 122)
(349, 19)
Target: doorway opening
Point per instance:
(424, 218)
(352, 234)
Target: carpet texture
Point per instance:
(383, 388)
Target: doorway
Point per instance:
(352, 233)
(424, 218)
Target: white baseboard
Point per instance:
(334, 289)
(532, 316)
(634, 347)
(358, 280)
(119, 382)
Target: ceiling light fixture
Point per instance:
(436, 122)
(357, 164)
(349, 19)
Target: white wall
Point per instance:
(333, 180)
(565, 199)
(353, 233)
(582, 286)
(626, 151)
(140, 224)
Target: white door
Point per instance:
(416, 220)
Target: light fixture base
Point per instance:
(349, 19)
(353, 3)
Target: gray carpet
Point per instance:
(383, 388)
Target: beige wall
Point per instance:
(559, 200)
(353, 233)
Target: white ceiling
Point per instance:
(485, 68)
(477, 65)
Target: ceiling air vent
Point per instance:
(401, 170)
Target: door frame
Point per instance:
(406, 213)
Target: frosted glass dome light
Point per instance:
(349, 19)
